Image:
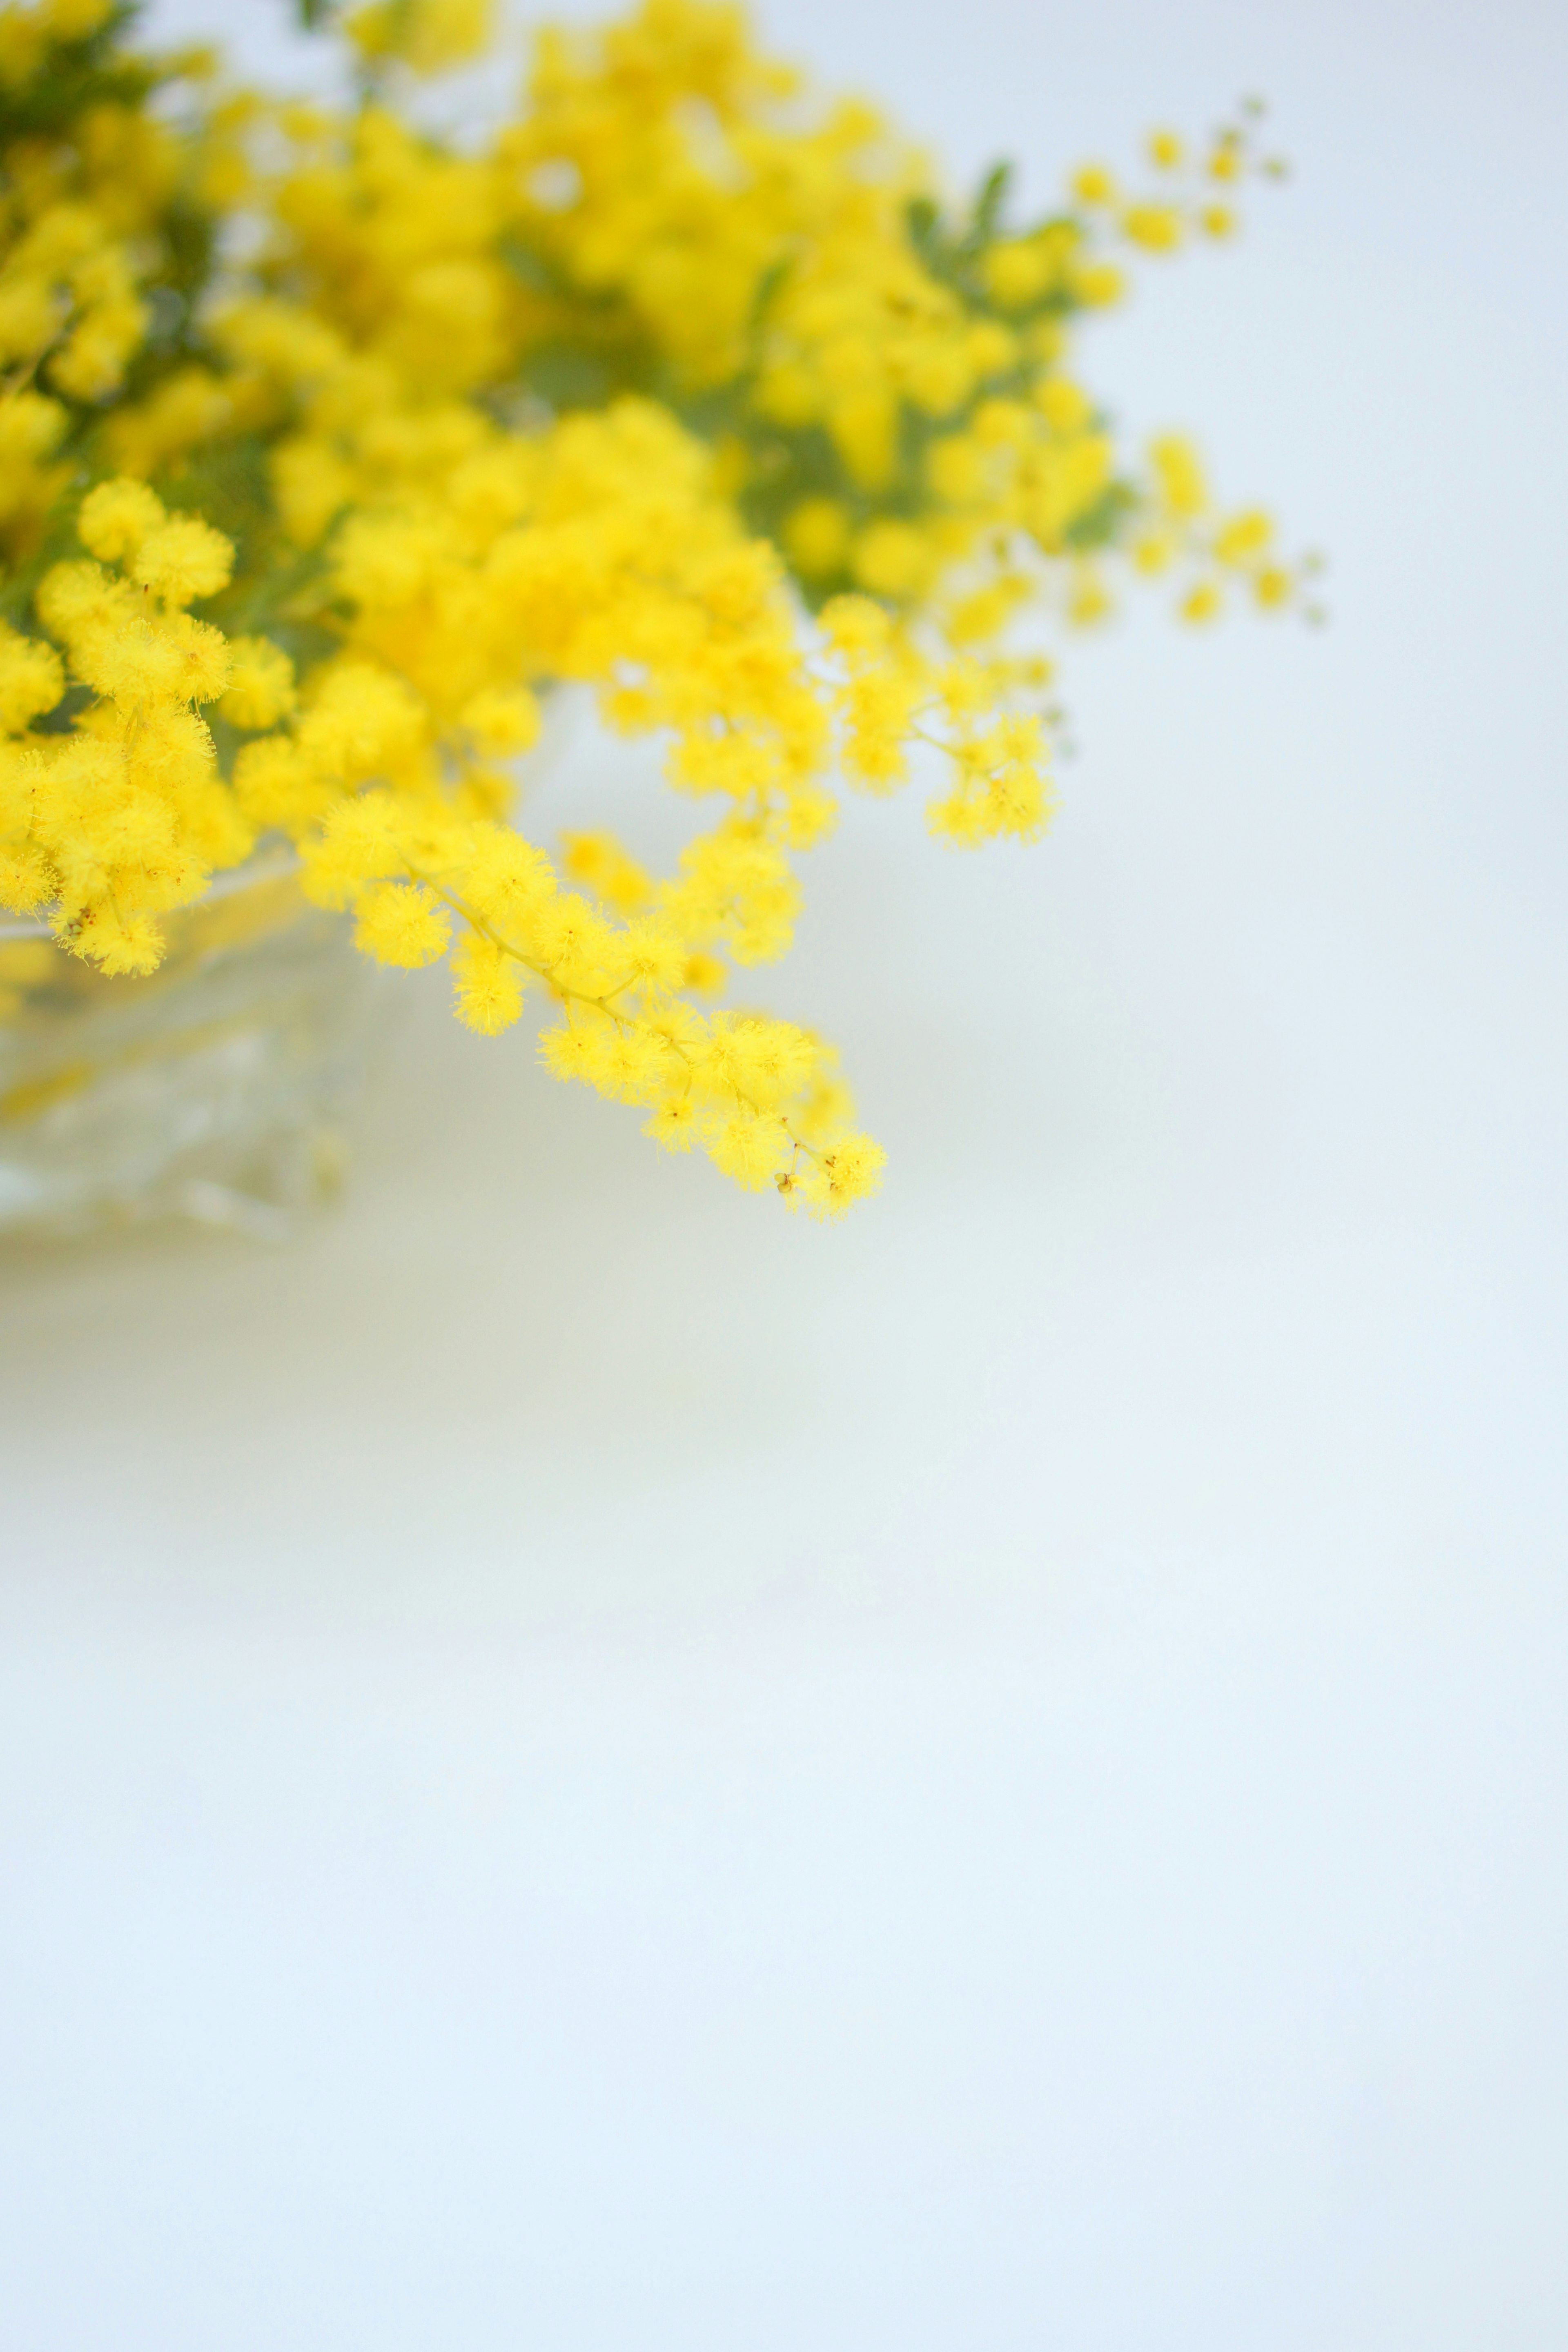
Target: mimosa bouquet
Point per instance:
(328, 446)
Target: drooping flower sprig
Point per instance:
(684, 387)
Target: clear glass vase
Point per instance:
(214, 1089)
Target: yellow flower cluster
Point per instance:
(893, 386)
(428, 37)
(1194, 193)
(1209, 549)
(98, 229)
(124, 816)
(70, 315)
(681, 388)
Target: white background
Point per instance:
(585, 1767)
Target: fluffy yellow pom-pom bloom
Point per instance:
(399, 923)
(487, 985)
(117, 517)
(182, 559)
(260, 684)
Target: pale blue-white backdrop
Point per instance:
(587, 1769)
